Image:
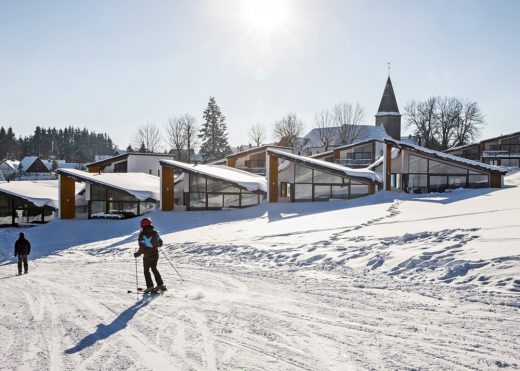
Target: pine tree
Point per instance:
(213, 134)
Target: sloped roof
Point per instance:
(140, 185)
(447, 157)
(13, 164)
(366, 132)
(242, 179)
(458, 148)
(121, 157)
(39, 192)
(27, 162)
(328, 167)
(388, 103)
(255, 150)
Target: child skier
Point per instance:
(22, 249)
(149, 242)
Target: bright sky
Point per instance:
(114, 65)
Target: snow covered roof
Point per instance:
(27, 162)
(447, 157)
(255, 150)
(13, 164)
(366, 132)
(39, 192)
(329, 167)
(458, 148)
(239, 178)
(124, 156)
(140, 185)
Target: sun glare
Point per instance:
(266, 16)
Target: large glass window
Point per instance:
(340, 192)
(221, 187)
(438, 183)
(417, 183)
(457, 181)
(197, 200)
(417, 164)
(302, 174)
(303, 191)
(478, 181)
(358, 190)
(325, 178)
(442, 168)
(197, 183)
(322, 192)
(250, 199)
(97, 192)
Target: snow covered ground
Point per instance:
(391, 281)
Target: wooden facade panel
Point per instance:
(231, 162)
(495, 181)
(273, 178)
(167, 189)
(388, 167)
(94, 169)
(67, 197)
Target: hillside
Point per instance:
(392, 281)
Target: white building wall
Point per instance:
(146, 164)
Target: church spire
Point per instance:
(388, 101)
(388, 114)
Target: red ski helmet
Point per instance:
(146, 222)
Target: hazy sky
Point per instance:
(113, 65)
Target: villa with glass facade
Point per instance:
(297, 178)
(109, 195)
(210, 187)
(416, 169)
(252, 160)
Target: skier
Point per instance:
(22, 249)
(149, 242)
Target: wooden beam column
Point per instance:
(273, 178)
(495, 180)
(232, 162)
(388, 167)
(94, 169)
(67, 197)
(167, 189)
(337, 155)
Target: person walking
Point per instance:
(149, 243)
(22, 249)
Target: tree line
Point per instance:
(71, 144)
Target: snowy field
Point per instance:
(391, 281)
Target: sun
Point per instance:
(266, 16)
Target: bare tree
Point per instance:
(191, 133)
(182, 136)
(287, 130)
(348, 118)
(422, 116)
(257, 134)
(444, 122)
(324, 124)
(176, 137)
(469, 124)
(149, 137)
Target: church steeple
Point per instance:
(388, 114)
(388, 101)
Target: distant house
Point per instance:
(503, 150)
(416, 169)
(131, 162)
(299, 178)
(9, 168)
(253, 159)
(210, 187)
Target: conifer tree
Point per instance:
(213, 134)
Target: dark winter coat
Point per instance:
(22, 246)
(149, 241)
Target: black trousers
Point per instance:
(23, 259)
(150, 262)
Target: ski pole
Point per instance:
(166, 256)
(136, 279)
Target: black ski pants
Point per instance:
(23, 259)
(150, 262)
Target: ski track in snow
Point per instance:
(379, 291)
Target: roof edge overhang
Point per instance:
(16, 196)
(90, 181)
(473, 164)
(253, 150)
(190, 170)
(324, 168)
